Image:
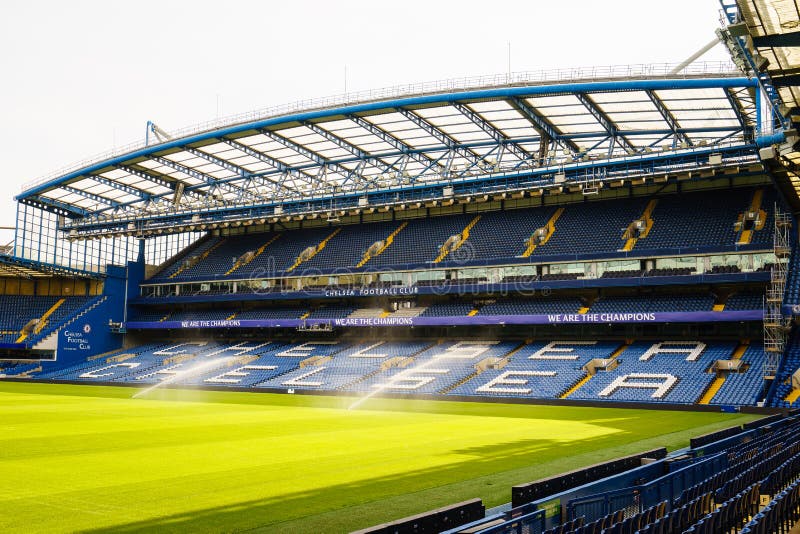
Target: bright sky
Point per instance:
(81, 77)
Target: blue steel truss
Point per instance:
(733, 15)
(413, 149)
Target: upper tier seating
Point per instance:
(505, 234)
(592, 227)
(347, 248)
(187, 257)
(220, 259)
(419, 242)
(692, 220)
(281, 254)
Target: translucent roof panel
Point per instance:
(385, 146)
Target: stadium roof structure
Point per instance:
(766, 35)
(446, 142)
(517, 135)
(773, 31)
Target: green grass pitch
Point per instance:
(91, 458)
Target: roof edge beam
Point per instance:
(777, 40)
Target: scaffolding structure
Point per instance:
(776, 325)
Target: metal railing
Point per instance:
(538, 77)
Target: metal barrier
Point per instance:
(530, 523)
(634, 499)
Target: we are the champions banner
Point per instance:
(553, 318)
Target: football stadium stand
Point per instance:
(615, 239)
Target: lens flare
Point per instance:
(188, 372)
(380, 388)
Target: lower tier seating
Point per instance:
(784, 393)
(676, 372)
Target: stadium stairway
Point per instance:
(792, 396)
(246, 259)
(42, 321)
(308, 253)
(29, 372)
(581, 382)
(448, 247)
(49, 332)
(392, 362)
(44, 318)
(712, 390)
(746, 234)
(632, 233)
(551, 228)
(369, 253)
(718, 382)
